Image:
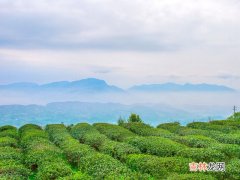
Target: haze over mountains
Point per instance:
(94, 100)
(74, 112)
(100, 86)
(84, 85)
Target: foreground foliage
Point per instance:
(131, 150)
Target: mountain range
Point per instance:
(93, 85)
(74, 112)
(178, 87)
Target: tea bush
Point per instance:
(53, 170)
(197, 141)
(156, 145)
(8, 141)
(97, 165)
(11, 158)
(9, 133)
(213, 127)
(114, 132)
(100, 142)
(158, 167)
(42, 155)
(11, 153)
(13, 168)
(193, 176)
(226, 123)
(230, 150)
(184, 131)
(227, 138)
(172, 127)
(77, 175)
(202, 154)
(146, 130)
(28, 127)
(132, 151)
(118, 150)
(87, 134)
(7, 127)
(232, 169)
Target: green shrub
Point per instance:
(197, 124)
(31, 136)
(118, 150)
(100, 142)
(172, 127)
(77, 176)
(9, 133)
(156, 145)
(197, 141)
(8, 141)
(75, 151)
(114, 132)
(39, 156)
(7, 127)
(135, 118)
(184, 131)
(193, 176)
(94, 139)
(81, 129)
(13, 168)
(42, 155)
(99, 166)
(202, 154)
(158, 167)
(234, 117)
(230, 150)
(130, 176)
(88, 134)
(71, 147)
(232, 169)
(11, 158)
(33, 133)
(28, 127)
(227, 138)
(11, 177)
(53, 170)
(146, 130)
(10, 153)
(230, 138)
(213, 127)
(226, 122)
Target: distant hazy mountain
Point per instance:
(178, 87)
(93, 85)
(74, 112)
(19, 86)
(85, 85)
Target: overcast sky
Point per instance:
(123, 42)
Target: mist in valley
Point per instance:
(154, 108)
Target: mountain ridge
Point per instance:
(180, 87)
(75, 111)
(99, 85)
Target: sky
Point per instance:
(123, 42)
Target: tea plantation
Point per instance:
(131, 151)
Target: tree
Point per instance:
(235, 116)
(134, 118)
(121, 121)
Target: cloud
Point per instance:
(103, 69)
(123, 42)
(228, 76)
(136, 25)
